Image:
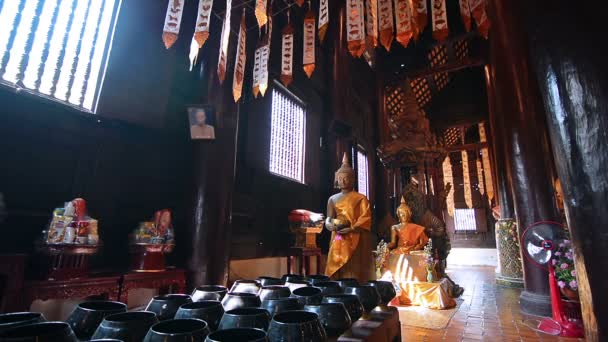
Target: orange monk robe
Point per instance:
(411, 238)
(350, 255)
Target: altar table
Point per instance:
(434, 295)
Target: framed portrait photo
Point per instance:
(202, 122)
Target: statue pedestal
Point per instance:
(408, 267)
(509, 255)
(434, 295)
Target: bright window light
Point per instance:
(287, 137)
(362, 173)
(57, 48)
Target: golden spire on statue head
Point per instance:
(404, 210)
(345, 168)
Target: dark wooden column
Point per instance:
(213, 186)
(573, 78)
(501, 177)
(519, 102)
(458, 179)
(474, 180)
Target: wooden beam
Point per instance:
(467, 147)
(448, 67)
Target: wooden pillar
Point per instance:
(573, 78)
(504, 195)
(527, 149)
(458, 179)
(213, 186)
(486, 165)
(472, 156)
(509, 251)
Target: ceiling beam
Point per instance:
(467, 147)
(448, 67)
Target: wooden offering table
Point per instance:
(171, 280)
(383, 327)
(101, 286)
(302, 256)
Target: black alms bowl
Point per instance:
(246, 286)
(165, 306)
(15, 319)
(315, 278)
(296, 326)
(386, 289)
(347, 282)
(368, 295)
(308, 295)
(210, 311)
(87, 316)
(268, 281)
(178, 330)
(235, 300)
(245, 318)
(274, 306)
(238, 334)
(351, 303)
(127, 326)
(273, 292)
(209, 292)
(40, 332)
(329, 287)
(333, 316)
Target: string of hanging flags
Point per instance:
(369, 23)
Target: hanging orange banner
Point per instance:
(308, 58)
(224, 40)
(465, 13)
(201, 30)
(257, 68)
(371, 22)
(268, 38)
(264, 55)
(260, 12)
(385, 25)
(440, 20)
(240, 60)
(287, 55)
(478, 8)
(173, 20)
(323, 19)
(421, 14)
(355, 33)
(403, 21)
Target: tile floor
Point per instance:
(488, 313)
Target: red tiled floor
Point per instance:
(488, 313)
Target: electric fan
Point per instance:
(540, 241)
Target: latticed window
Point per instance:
(287, 137)
(362, 173)
(57, 48)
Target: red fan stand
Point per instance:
(566, 313)
(539, 241)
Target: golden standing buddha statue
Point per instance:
(406, 236)
(349, 219)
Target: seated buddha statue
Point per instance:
(406, 236)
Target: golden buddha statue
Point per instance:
(406, 236)
(349, 219)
